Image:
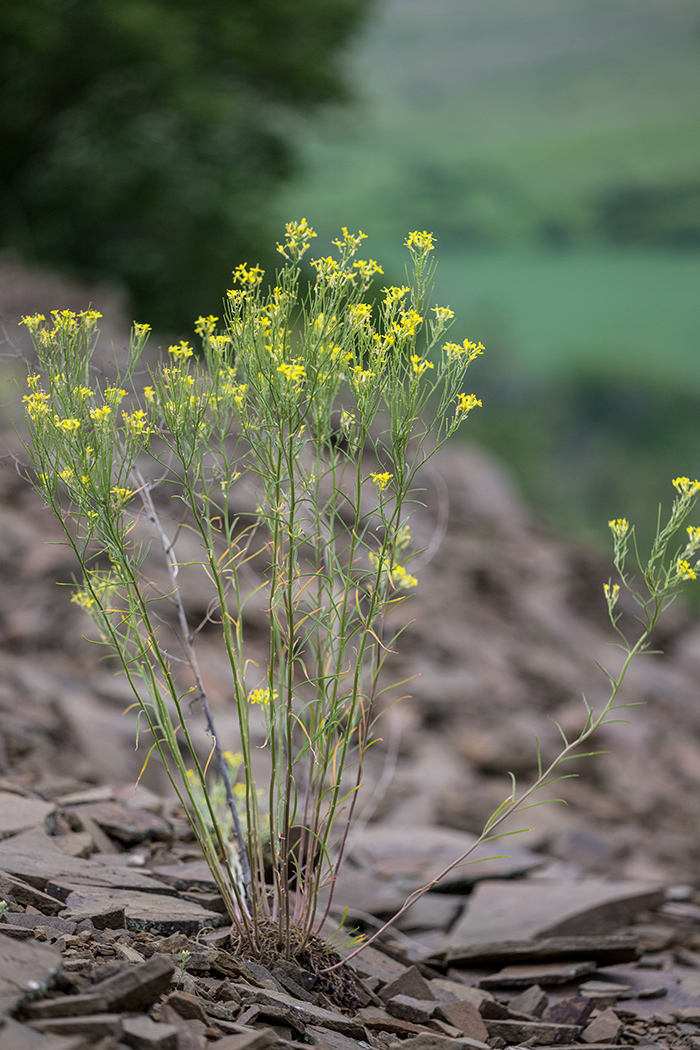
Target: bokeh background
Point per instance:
(552, 146)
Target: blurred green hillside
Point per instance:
(553, 146)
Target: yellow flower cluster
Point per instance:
(36, 404)
(350, 240)
(367, 268)
(292, 373)
(419, 364)
(686, 487)
(205, 325)
(685, 570)
(394, 295)
(182, 350)
(443, 314)
(381, 480)
(420, 241)
(297, 240)
(262, 696)
(466, 402)
(68, 426)
(100, 415)
(136, 423)
(619, 526)
(471, 350)
(250, 276)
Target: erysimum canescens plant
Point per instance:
(315, 400)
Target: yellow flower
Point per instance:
(100, 415)
(36, 404)
(141, 329)
(619, 526)
(443, 314)
(248, 275)
(113, 395)
(292, 373)
(120, 495)
(91, 316)
(262, 696)
(367, 268)
(350, 240)
(33, 321)
(686, 487)
(685, 570)
(67, 474)
(381, 480)
(329, 270)
(136, 422)
(149, 393)
(394, 295)
(454, 350)
(693, 535)
(466, 402)
(423, 242)
(298, 236)
(66, 425)
(419, 364)
(400, 578)
(181, 350)
(361, 376)
(205, 325)
(359, 315)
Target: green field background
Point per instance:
(506, 127)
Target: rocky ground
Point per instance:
(508, 623)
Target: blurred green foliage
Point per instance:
(143, 139)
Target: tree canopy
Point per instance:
(143, 139)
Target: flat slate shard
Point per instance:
(137, 987)
(18, 814)
(142, 911)
(125, 823)
(183, 876)
(26, 967)
(92, 1027)
(607, 950)
(525, 974)
(310, 1014)
(534, 1033)
(35, 858)
(142, 1033)
(25, 894)
(531, 910)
